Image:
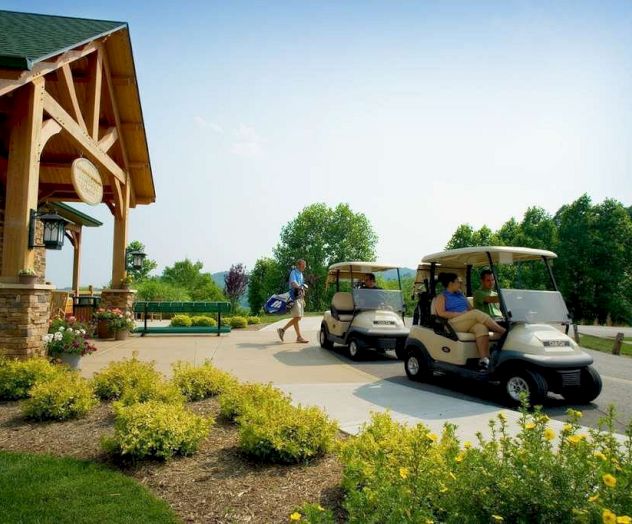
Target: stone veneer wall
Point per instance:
(24, 316)
(118, 298)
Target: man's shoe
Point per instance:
(281, 333)
(483, 364)
(302, 341)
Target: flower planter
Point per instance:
(121, 335)
(104, 329)
(27, 279)
(70, 359)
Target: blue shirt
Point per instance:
(455, 302)
(295, 276)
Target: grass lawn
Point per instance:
(604, 344)
(41, 488)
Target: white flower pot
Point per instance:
(70, 359)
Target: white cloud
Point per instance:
(202, 123)
(247, 142)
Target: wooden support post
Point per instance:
(76, 243)
(22, 177)
(120, 241)
(618, 340)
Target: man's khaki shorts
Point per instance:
(298, 309)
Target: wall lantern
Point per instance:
(54, 229)
(136, 259)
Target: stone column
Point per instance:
(118, 298)
(24, 316)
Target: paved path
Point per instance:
(346, 390)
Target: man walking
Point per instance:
(297, 293)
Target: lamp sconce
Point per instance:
(137, 259)
(54, 229)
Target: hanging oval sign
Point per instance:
(87, 181)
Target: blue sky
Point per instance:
(422, 115)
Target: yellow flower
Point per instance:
(403, 472)
(497, 518)
(295, 516)
(594, 498)
(624, 519)
(575, 413)
(609, 480)
(575, 439)
(320, 508)
(567, 427)
(459, 458)
(467, 444)
(549, 434)
(502, 417)
(529, 425)
(608, 517)
(600, 455)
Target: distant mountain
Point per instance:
(403, 273)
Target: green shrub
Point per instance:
(156, 430)
(226, 321)
(134, 381)
(393, 473)
(235, 399)
(65, 396)
(17, 377)
(203, 321)
(204, 381)
(279, 432)
(312, 514)
(181, 321)
(254, 320)
(238, 322)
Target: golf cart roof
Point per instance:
(355, 269)
(479, 256)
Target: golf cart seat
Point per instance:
(443, 327)
(342, 306)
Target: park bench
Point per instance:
(182, 307)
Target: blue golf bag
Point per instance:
(278, 304)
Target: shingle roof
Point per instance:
(27, 38)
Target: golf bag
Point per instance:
(278, 304)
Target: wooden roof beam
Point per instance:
(85, 142)
(110, 136)
(42, 68)
(68, 95)
(93, 95)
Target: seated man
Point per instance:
(454, 307)
(485, 298)
(369, 282)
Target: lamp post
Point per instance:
(135, 259)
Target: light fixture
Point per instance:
(54, 229)
(136, 259)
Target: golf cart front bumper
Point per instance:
(381, 339)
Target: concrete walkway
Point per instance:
(312, 375)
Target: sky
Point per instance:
(423, 115)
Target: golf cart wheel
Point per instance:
(323, 338)
(354, 351)
(416, 365)
(589, 389)
(525, 381)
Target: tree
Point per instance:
(322, 236)
(235, 283)
(188, 275)
(265, 279)
(149, 265)
(466, 236)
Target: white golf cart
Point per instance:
(535, 356)
(363, 318)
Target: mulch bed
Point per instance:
(217, 484)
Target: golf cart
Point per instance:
(534, 356)
(363, 318)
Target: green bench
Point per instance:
(182, 307)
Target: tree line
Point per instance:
(594, 247)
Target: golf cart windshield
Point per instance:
(378, 299)
(532, 306)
